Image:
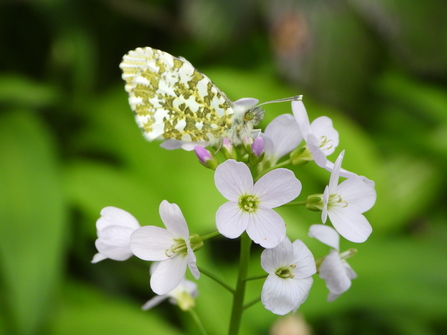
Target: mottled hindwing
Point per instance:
(173, 100)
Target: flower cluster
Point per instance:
(252, 178)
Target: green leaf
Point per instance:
(83, 310)
(32, 222)
(21, 91)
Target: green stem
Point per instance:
(288, 161)
(251, 303)
(297, 203)
(197, 320)
(210, 235)
(217, 280)
(257, 277)
(238, 298)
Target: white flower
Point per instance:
(170, 246)
(290, 267)
(250, 206)
(320, 136)
(321, 133)
(334, 269)
(281, 136)
(114, 228)
(344, 204)
(183, 295)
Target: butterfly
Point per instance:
(175, 102)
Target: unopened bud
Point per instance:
(206, 158)
(315, 202)
(258, 146)
(300, 156)
(228, 150)
(196, 242)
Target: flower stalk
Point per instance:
(238, 296)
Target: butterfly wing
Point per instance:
(173, 100)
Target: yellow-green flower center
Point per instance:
(335, 200)
(325, 143)
(248, 203)
(179, 247)
(285, 272)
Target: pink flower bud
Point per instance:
(258, 146)
(202, 154)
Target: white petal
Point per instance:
(325, 202)
(154, 302)
(173, 218)
(191, 259)
(352, 225)
(281, 255)
(333, 181)
(329, 166)
(185, 286)
(231, 221)
(189, 146)
(282, 296)
(114, 242)
(300, 114)
(233, 179)
(266, 227)
(304, 285)
(326, 235)
(277, 188)
(269, 148)
(285, 136)
(304, 260)
(332, 296)
(112, 216)
(349, 271)
(314, 147)
(98, 258)
(323, 129)
(172, 144)
(150, 243)
(358, 193)
(168, 275)
(333, 271)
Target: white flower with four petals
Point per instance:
(344, 203)
(281, 136)
(250, 204)
(290, 267)
(114, 228)
(170, 246)
(334, 269)
(183, 295)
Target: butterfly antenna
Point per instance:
(295, 98)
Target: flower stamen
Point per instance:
(325, 143)
(286, 272)
(336, 200)
(248, 203)
(178, 248)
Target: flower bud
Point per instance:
(247, 143)
(300, 156)
(185, 301)
(206, 158)
(258, 146)
(195, 242)
(228, 150)
(315, 202)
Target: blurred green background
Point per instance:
(69, 146)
